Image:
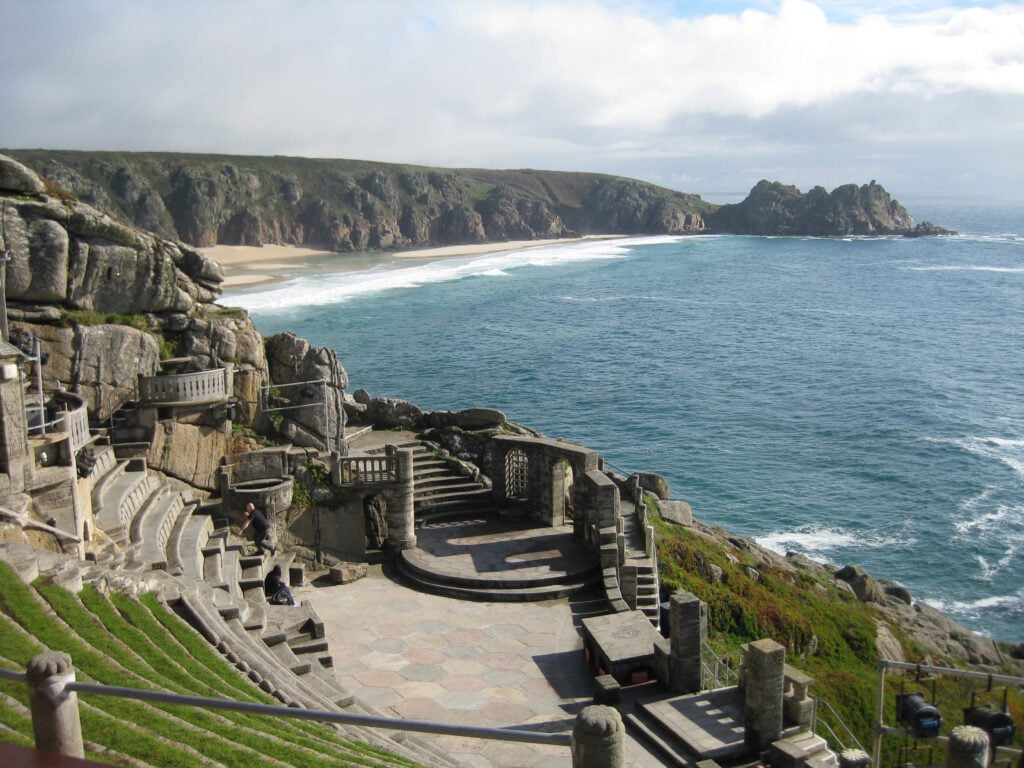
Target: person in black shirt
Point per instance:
(260, 528)
(275, 589)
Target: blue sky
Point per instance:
(710, 96)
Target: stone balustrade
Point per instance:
(355, 470)
(204, 386)
(74, 420)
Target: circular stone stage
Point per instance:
(488, 558)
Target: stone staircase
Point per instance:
(647, 598)
(172, 543)
(440, 490)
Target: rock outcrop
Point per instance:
(108, 300)
(772, 208)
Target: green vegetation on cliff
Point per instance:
(828, 633)
(349, 205)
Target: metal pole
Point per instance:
(876, 751)
(39, 387)
(396, 724)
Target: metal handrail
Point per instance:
(342, 718)
(819, 703)
(731, 675)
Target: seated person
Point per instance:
(275, 589)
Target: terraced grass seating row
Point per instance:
(138, 643)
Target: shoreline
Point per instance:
(247, 266)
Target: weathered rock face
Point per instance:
(98, 362)
(511, 215)
(319, 381)
(351, 205)
(777, 209)
(70, 254)
(632, 207)
(72, 265)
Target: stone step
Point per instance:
(496, 590)
(653, 736)
(453, 498)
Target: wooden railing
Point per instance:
(184, 387)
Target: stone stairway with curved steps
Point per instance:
(204, 574)
(440, 490)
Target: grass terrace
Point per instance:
(139, 643)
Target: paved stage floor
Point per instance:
(428, 657)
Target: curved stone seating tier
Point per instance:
(185, 555)
(152, 525)
(105, 461)
(118, 496)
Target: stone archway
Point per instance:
(375, 520)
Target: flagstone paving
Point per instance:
(496, 665)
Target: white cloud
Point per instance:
(565, 83)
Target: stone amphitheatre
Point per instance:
(452, 570)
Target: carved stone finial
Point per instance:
(48, 664)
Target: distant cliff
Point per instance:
(349, 205)
(352, 205)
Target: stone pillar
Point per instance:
(54, 709)
(598, 739)
(688, 622)
(401, 520)
(968, 748)
(854, 758)
(763, 668)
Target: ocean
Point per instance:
(858, 400)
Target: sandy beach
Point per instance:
(246, 266)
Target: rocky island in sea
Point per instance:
(114, 306)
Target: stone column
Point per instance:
(968, 748)
(598, 739)
(763, 668)
(401, 519)
(54, 709)
(688, 622)
(854, 758)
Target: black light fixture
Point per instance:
(921, 719)
(996, 723)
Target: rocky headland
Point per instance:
(110, 300)
(348, 205)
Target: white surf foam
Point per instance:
(967, 268)
(1006, 450)
(337, 287)
(816, 542)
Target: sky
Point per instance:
(708, 96)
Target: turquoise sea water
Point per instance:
(857, 400)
